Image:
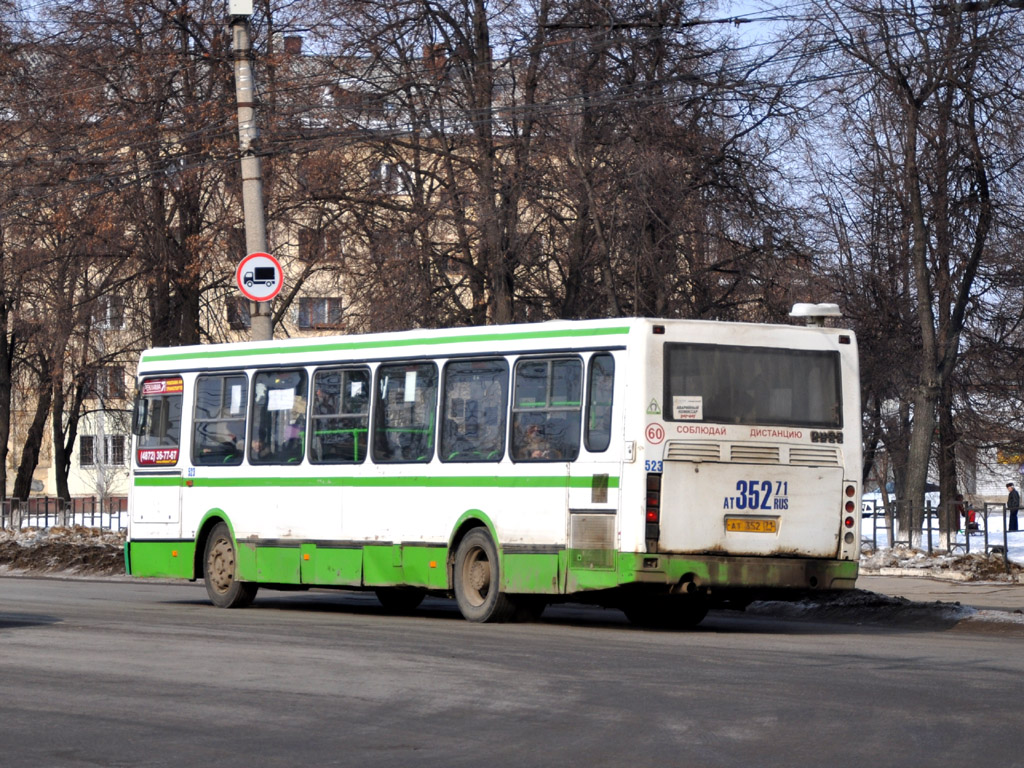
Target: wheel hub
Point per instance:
(222, 565)
(480, 575)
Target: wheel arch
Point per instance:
(470, 519)
(210, 519)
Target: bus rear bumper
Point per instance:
(711, 573)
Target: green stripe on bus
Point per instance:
(535, 481)
(345, 346)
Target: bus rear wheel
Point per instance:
(220, 571)
(477, 580)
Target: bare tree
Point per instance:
(925, 163)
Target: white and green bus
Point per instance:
(657, 466)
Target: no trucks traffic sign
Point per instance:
(259, 276)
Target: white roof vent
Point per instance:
(815, 314)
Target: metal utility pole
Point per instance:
(239, 12)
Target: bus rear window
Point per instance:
(752, 385)
(158, 422)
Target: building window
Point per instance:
(108, 314)
(236, 243)
(86, 450)
(320, 312)
(390, 178)
(318, 244)
(115, 450)
(109, 451)
(108, 382)
(238, 313)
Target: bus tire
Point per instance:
(399, 599)
(220, 571)
(477, 580)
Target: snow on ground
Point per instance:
(59, 549)
(977, 558)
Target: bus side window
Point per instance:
(598, 432)
(546, 409)
(340, 416)
(403, 422)
(218, 424)
(278, 432)
(475, 397)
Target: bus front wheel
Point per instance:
(220, 571)
(477, 580)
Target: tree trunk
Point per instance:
(6, 359)
(33, 442)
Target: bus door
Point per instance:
(156, 472)
(594, 477)
(742, 499)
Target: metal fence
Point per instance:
(987, 535)
(110, 513)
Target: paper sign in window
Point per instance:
(280, 399)
(688, 407)
(410, 386)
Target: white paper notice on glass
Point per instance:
(280, 399)
(236, 399)
(410, 386)
(688, 407)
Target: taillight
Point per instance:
(850, 506)
(652, 512)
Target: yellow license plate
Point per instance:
(751, 524)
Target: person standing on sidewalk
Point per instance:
(1012, 505)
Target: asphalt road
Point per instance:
(101, 673)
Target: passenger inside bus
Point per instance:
(533, 444)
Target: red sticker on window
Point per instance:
(155, 456)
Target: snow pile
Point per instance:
(73, 549)
(864, 607)
(975, 566)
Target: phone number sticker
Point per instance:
(155, 456)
